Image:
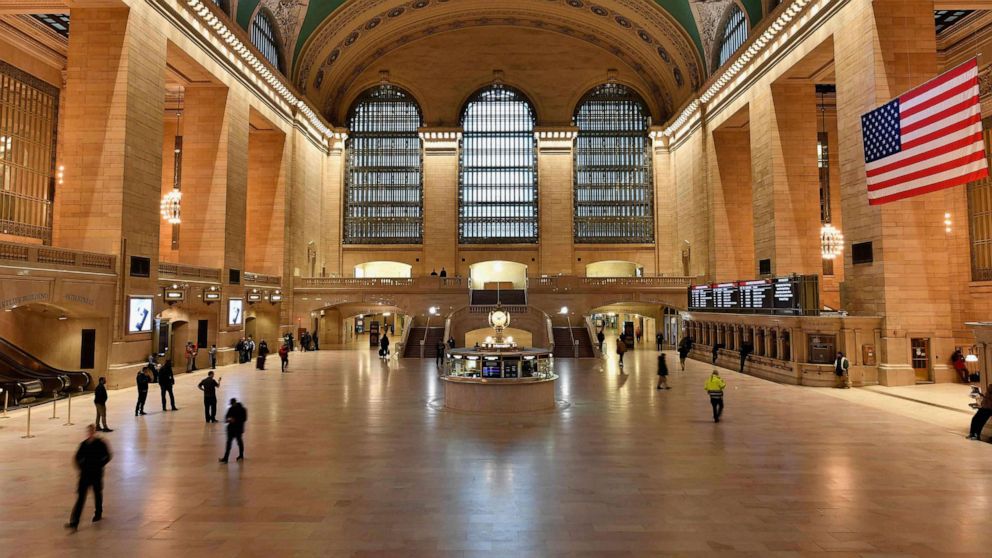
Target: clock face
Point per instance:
(499, 318)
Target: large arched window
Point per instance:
(734, 34)
(497, 196)
(614, 190)
(263, 36)
(384, 185)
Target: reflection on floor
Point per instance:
(346, 458)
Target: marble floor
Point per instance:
(347, 456)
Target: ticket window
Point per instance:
(920, 358)
(822, 349)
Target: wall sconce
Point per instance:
(174, 293)
(275, 297)
(211, 295)
(254, 296)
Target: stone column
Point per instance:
(333, 205)
(667, 255)
(441, 148)
(881, 51)
(555, 194)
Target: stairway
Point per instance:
(434, 336)
(563, 342)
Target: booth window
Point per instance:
(734, 34)
(384, 180)
(497, 195)
(263, 36)
(614, 190)
(28, 120)
(980, 221)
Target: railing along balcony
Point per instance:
(572, 283)
(262, 279)
(57, 257)
(351, 283)
(188, 272)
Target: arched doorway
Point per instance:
(498, 281)
(614, 268)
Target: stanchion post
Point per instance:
(28, 435)
(68, 416)
(55, 399)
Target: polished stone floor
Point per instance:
(347, 456)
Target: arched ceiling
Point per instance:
(332, 44)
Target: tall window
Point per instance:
(614, 190)
(56, 22)
(497, 198)
(263, 36)
(980, 221)
(734, 34)
(384, 190)
(28, 118)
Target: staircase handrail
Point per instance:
(551, 333)
(401, 346)
(591, 330)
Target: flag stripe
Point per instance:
(973, 131)
(972, 121)
(939, 96)
(948, 163)
(955, 148)
(912, 97)
(927, 181)
(938, 113)
(977, 175)
(966, 114)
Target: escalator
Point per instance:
(23, 375)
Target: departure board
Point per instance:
(780, 295)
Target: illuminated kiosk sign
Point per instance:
(235, 311)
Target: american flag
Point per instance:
(926, 140)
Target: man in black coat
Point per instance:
(142, 380)
(100, 402)
(91, 457)
(209, 388)
(165, 382)
(236, 418)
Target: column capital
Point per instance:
(555, 139)
(440, 140)
(337, 140)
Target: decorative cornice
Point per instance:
(440, 141)
(551, 140)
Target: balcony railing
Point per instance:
(572, 283)
(262, 279)
(188, 272)
(535, 284)
(352, 283)
(57, 257)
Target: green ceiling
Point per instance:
(319, 10)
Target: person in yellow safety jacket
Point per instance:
(714, 387)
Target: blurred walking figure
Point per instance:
(621, 349)
(91, 457)
(714, 387)
(662, 372)
(236, 418)
(982, 415)
(439, 357)
(685, 346)
(284, 356)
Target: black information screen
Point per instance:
(780, 295)
(701, 297)
(756, 295)
(785, 293)
(725, 296)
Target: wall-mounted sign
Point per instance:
(211, 296)
(254, 297)
(174, 295)
(275, 297)
(235, 310)
(795, 295)
(139, 315)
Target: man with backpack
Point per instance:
(841, 366)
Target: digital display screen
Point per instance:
(784, 293)
(780, 295)
(490, 370)
(235, 311)
(725, 296)
(700, 296)
(139, 315)
(756, 295)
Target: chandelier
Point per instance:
(831, 239)
(170, 206)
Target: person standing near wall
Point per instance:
(166, 379)
(600, 338)
(190, 356)
(714, 387)
(746, 349)
(685, 346)
(100, 402)
(841, 367)
(439, 357)
(263, 351)
(91, 457)
(213, 357)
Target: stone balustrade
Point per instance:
(559, 283)
(430, 283)
(260, 279)
(49, 257)
(169, 271)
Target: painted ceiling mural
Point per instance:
(329, 43)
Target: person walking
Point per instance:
(621, 349)
(305, 341)
(714, 387)
(659, 340)
(384, 346)
(841, 367)
(982, 415)
(236, 418)
(284, 356)
(685, 346)
(91, 457)
(100, 402)
(166, 379)
(746, 349)
(141, 380)
(716, 350)
(240, 348)
(316, 341)
(439, 357)
(662, 372)
(213, 357)
(263, 351)
(250, 347)
(209, 387)
(600, 338)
